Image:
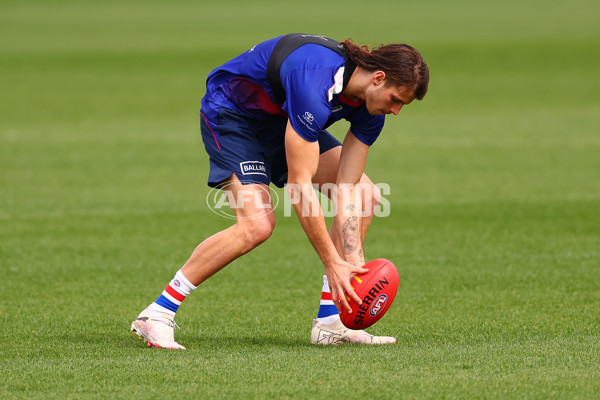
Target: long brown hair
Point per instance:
(403, 65)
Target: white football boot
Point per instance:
(336, 333)
(157, 329)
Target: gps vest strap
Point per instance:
(286, 45)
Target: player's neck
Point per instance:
(357, 85)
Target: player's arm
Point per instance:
(347, 223)
(303, 159)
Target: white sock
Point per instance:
(173, 295)
(328, 313)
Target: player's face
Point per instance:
(384, 99)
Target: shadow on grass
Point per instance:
(213, 341)
(246, 341)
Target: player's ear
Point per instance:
(378, 77)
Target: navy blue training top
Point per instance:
(312, 77)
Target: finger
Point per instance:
(344, 303)
(339, 299)
(353, 295)
(357, 271)
(347, 293)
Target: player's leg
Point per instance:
(328, 328)
(255, 222)
(370, 194)
(230, 149)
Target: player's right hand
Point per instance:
(339, 273)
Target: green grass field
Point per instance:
(494, 225)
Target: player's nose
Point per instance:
(396, 109)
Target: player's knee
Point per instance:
(256, 230)
(262, 230)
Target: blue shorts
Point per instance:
(252, 149)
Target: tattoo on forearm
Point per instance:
(351, 235)
(351, 207)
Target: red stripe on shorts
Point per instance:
(215, 136)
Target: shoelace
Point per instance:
(167, 321)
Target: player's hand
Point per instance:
(339, 274)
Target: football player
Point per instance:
(263, 120)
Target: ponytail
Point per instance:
(402, 64)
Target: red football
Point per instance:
(377, 289)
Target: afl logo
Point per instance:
(176, 283)
(378, 305)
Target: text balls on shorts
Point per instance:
(377, 290)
